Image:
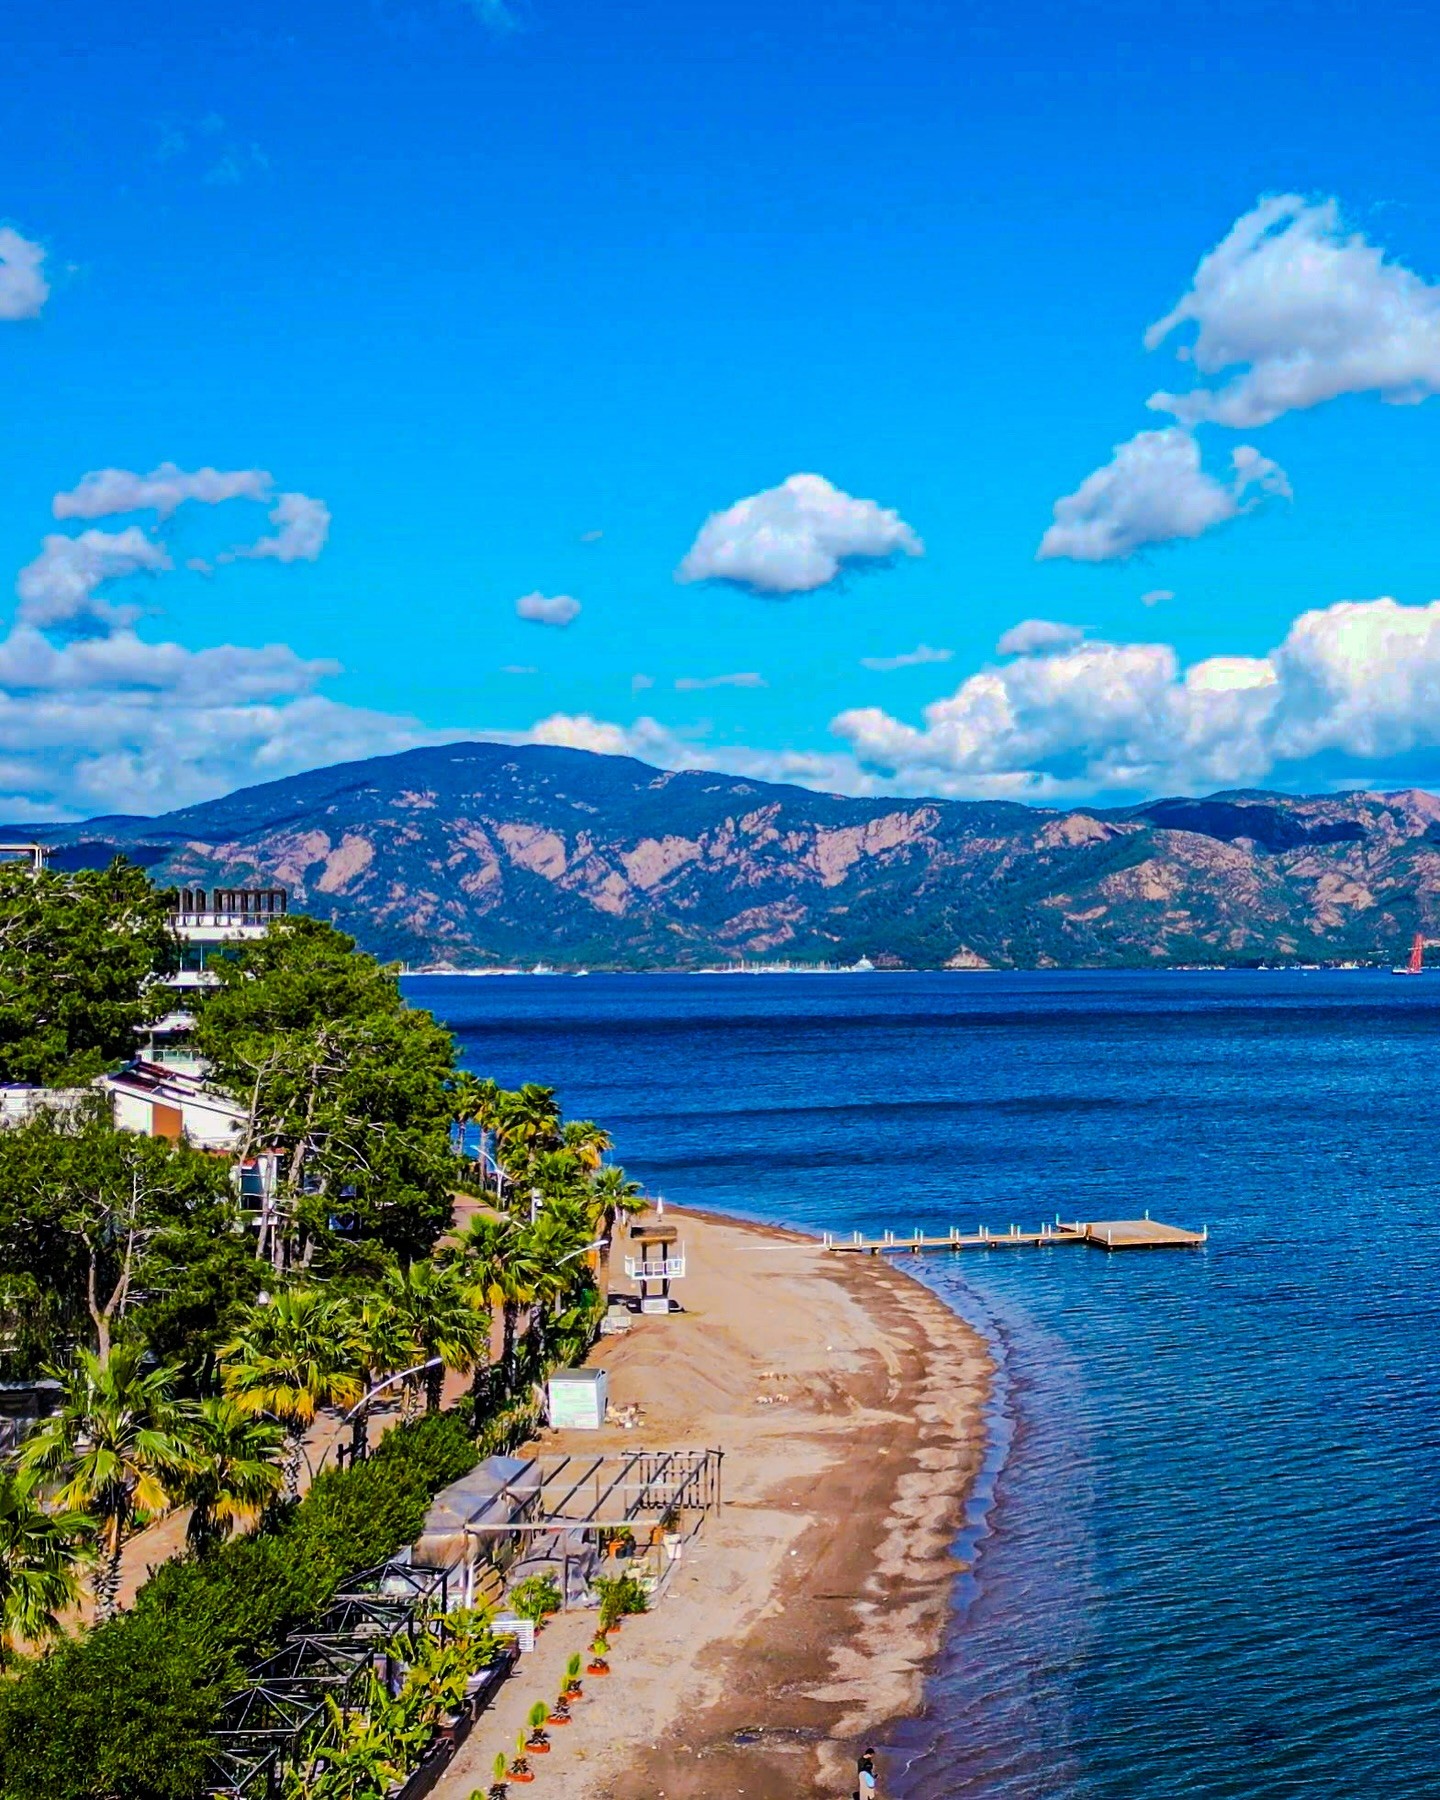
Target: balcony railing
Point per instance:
(660, 1268)
(223, 921)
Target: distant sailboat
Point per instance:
(1416, 964)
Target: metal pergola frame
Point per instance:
(265, 1725)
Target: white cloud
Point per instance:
(1151, 491)
(1154, 596)
(59, 589)
(907, 659)
(303, 529)
(794, 538)
(302, 524)
(1307, 310)
(518, 669)
(23, 287)
(106, 491)
(547, 609)
(650, 741)
(93, 716)
(693, 684)
(1037, 637)
(1355, 684)
(638, 683)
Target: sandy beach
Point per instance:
(849, 1403)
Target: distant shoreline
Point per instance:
(563, 974)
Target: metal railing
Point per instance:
(664, 1268)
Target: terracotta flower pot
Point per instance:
(529, 1775)
(532, 1748)
(558, 1719)
(597, 1668)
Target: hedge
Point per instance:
(127, 1711)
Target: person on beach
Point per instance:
(867, 1773)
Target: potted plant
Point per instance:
(535, 1598)
(559, 1713)
(498, 1789)
(671, 1533)
(574, 1687)
(597, 1664)
(520, 1769)
(538, 1744)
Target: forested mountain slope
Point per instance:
(476, 854)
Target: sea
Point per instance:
(1204, 1556)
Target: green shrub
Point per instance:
(128, 1709)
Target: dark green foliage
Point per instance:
(128, 1710)
(76, 954)
(438, 1448)
(124, 1711)
(348, 1081)
(75, 1192)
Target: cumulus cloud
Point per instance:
(547, 609)
(60, 588)
(1306, 310)
(23, 287)
(795, 538)
(1352, 685)
(93, 716)
(1153, 596)
(302, 529)
(907, 659)
(302, 523)
(106, 491)
(1152, 491)
(650, 741)
(694, 684)
(1036, 637)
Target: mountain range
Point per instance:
(483, 854)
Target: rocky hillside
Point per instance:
(478, 854)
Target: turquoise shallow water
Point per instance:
(1206, 1553)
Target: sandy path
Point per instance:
(804, 1615)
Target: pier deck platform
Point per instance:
(1103, 1234)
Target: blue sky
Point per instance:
(481, 283)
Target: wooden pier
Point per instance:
(1103, 1234)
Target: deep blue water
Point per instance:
(1206, 1556)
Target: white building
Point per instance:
(209, 926)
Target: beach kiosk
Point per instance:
(579, 1399)
(656, 1257)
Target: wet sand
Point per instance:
(849, 1402)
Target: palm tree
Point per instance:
(551, 1251)
(291, 1357)
(498, 1270)
(527, 1121)
(238, 1474)
(612, 1197)
(482, 1252)
(590, 1143)
(427, 1301)
(120, 1445)
(40, 1554)
(475, 1102)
